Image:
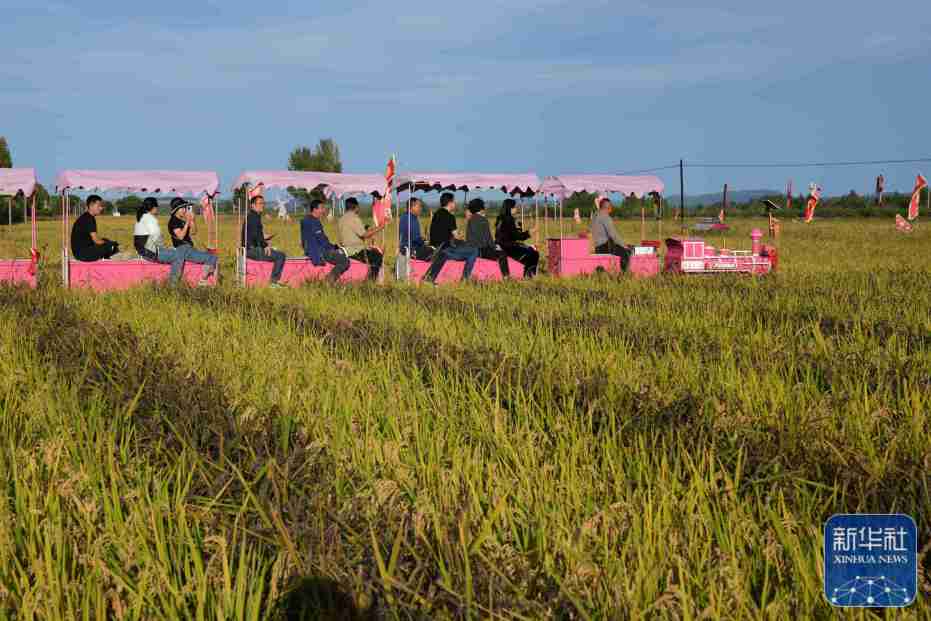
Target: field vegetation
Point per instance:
(600, 448)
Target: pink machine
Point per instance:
(572, 256)
(14, 181)
(298, 270)
(694, 256)
(485, 269)
(115, 275)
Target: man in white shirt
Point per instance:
(354, 238)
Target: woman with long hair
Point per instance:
(511, 237)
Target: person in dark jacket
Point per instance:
(510, 236)
(86, 245)
(256, 242)
(317, 246)
(410, 239)
(478, 235)
(447, 240)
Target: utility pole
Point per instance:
(682, 194)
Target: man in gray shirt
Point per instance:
(605, 237)
(478, 236)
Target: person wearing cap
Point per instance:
(354, 236)
(147, 238)
(478, 236)
(317, 246)
(448, 241)
(410, 239)
(181, 226)
(511, 237)
(86, 245)
(256, 243)
(605, 236)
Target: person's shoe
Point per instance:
(277, 285)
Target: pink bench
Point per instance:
(111, 275)
(643, 265)
(299, 270)
(484, 270)
(17, 272)
(570, 257)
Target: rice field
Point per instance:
(600, 448)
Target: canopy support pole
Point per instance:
(682, 194)
(240, 224)
(10, 211)
(35, 231)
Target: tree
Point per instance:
(6, 160)
(322, 158)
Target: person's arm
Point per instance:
(612, 232)
(97, 240)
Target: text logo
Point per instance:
(870, 560)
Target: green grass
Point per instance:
(599, 448)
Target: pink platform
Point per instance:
(643, 265)
(693, 256)
(484, 270)
(571, 257)
(111, 275)
(299, 270)
(16, 272)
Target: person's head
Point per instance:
(317, 208)
(476, 206)
(149, 205)
(604, 205)
(448, 201)
(180, 208)
(94, 205)
(416, 206)
(352, 204)
(257, 203)
(507, 207)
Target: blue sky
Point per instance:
(547, 86)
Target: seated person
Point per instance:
(317, 246)
(85, 243)
(181, 226)
(147, 238)
(256, 243)
(410, 239)
(510, 236)
(447, 240)
(354, 235)
(605, 236)
(478, 235)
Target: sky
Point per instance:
(546, 86)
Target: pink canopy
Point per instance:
(156, 181)
(14, 180)
(564, 186)
(330, 184)
(524, 183)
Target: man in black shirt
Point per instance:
(447, 241)
(181, 224)
(85, 243)
(256, 243)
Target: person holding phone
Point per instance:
(181, 225)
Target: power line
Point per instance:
(810, 164)
(647, 170)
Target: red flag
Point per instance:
(814, 198)
(207, 208)
(902, 225)
(920, 184)
(721, 216)
(789, 196)
(257, 190)
(34, 261)
(381, 207)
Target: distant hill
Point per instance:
(733, 196)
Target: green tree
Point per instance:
(6, 160)
(324, 157)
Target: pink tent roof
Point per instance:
(13, 180)
(329, 183)
(527, 182)
(164, 181)
(566, 185)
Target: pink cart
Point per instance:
(297, 270)
(572, 256)
(16, 181)
(694, 256)
(115, 275)
(521, 185)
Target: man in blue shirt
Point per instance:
(317, 246)
(411, 239)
